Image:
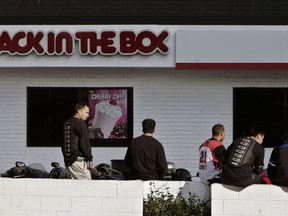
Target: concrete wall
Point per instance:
(34, 197)
(57, 197)
(185, 105)
(43, 197)
(255, 200)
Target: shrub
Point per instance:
(160, 202)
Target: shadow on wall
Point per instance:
(179, 198)
(201, 190)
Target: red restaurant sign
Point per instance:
(87, 43)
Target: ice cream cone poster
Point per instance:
(108, 114)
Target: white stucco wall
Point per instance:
(54, 197)
(185, 105)
(255, 200)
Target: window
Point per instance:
(49, 107)
(266, 107)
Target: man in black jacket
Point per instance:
(76, 148)
(278, 164)
(145, 155)
(244, 160)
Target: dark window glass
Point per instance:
(265, 107)
(49, 107)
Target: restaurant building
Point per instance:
(186, 77)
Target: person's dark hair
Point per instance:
(148, 125)
(80, 105)
(255, 130)
(217, 129)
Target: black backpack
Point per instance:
(20, 170)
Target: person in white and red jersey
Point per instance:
(212, 155)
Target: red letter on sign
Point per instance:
(69, 43)
(152, 42)
(16, 47)
(106, 41)
(5, 43)
(87, 42)
(160, 42)
(148, 48)
(34, 42)
(51, 43)
(127, 43)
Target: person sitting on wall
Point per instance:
(245, 160)
(145, 155)
(278, 164)
(212, 155)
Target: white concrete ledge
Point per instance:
(63, 197)
(255, 200)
